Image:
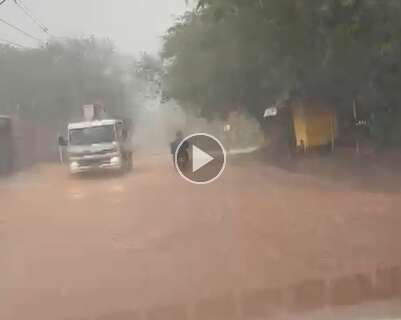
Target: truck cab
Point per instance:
(98, 145)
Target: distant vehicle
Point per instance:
(98, 145)
(7, 145)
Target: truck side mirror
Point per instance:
(62, 142)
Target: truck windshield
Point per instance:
(92, 135)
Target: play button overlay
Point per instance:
(206, 158)
(199, 158)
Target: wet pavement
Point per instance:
(80, 248)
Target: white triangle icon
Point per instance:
(199, 158)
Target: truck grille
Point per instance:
(93, 162)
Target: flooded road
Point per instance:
(75, 248)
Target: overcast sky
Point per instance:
(133, 25)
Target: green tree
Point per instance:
(248, 53)
(52, 82)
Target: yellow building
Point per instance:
(305, 124)
(315, 124)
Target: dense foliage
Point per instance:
(230, 54)
(52, 82)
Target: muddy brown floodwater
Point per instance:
(82, 248)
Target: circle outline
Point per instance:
(223, 167)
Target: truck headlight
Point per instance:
(74, 165)
(115, 161)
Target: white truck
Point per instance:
(98, 145)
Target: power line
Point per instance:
(20, 30)
(31, 16)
